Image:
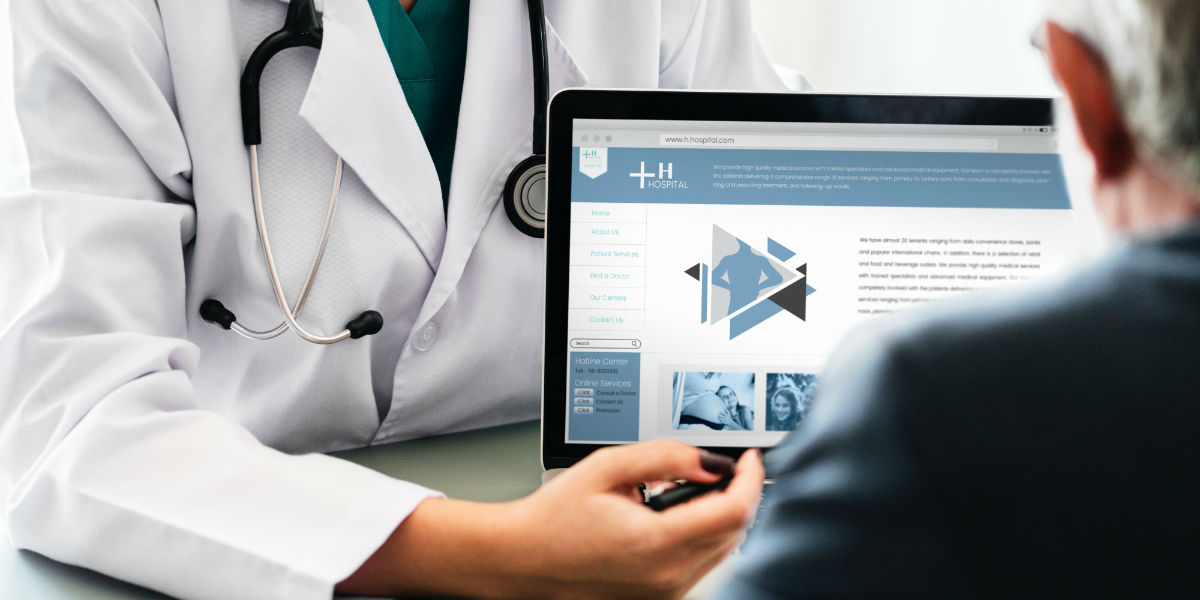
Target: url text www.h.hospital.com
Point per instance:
(699, 140)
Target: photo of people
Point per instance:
(789, 396)
(712, 401)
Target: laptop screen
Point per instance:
(714, 265)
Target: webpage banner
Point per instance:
(709, 285)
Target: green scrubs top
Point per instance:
(428, 49)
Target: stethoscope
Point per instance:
(524, 191)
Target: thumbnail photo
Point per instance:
(789, 396)
(712, 401)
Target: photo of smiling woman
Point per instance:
(789, 396)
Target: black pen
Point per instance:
(684, 492)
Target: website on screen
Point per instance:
(715, 266)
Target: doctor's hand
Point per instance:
(585, 534)
(598, 540)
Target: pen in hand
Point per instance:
(684, 492)
(713, 463)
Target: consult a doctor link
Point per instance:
(141, 441)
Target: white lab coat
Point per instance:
(142, 442)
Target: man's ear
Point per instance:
(1085, 78)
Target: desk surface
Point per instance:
(489, 465)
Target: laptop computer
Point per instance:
(707, 250)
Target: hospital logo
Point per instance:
(747, 287)
(664, 178)
(593, 162)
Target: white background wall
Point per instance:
(907, 46)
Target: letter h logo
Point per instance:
(664, 172)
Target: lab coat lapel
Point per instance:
(494, 124)
(356, 105)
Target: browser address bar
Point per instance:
(831, 142)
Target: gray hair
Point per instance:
(1152, 50)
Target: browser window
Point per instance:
(715, 265)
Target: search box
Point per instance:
(831, 142)
(606, 344)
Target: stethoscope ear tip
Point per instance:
(368, 323)
(213, 311)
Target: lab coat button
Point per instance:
(424, 339)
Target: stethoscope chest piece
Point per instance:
(525, 196)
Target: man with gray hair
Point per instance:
(1042, 444)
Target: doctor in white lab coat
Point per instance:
(142, 442)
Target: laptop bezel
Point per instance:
(578, 103)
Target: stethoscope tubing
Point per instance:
(302, 27)
(289, 317)
(316, 262)
(541, 80)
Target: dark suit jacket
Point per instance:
(1045, 444)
